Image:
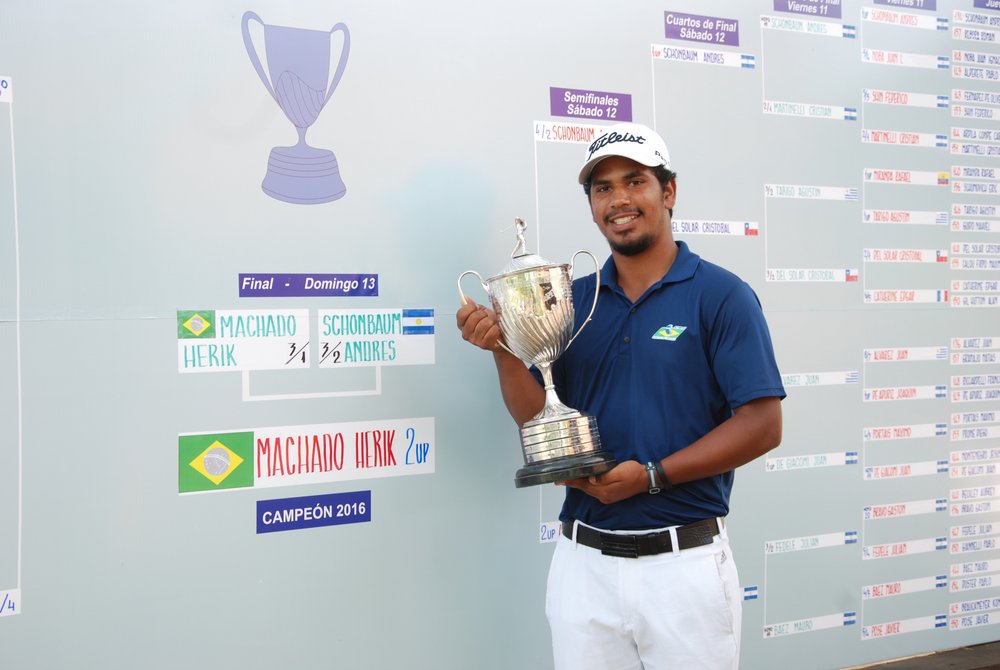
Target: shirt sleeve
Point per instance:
(741, 351)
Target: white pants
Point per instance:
(674, 611)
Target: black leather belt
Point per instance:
(692, 535)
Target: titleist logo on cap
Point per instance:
(611, 138)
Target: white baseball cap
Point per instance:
(631, 140)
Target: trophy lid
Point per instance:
(520, 259)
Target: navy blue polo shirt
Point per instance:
(660, 373)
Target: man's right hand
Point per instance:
(479, 326)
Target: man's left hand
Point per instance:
(622, 481)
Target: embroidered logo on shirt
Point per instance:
(669, 332)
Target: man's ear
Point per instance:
(670, 194)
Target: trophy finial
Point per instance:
(520, 259)
(519, 249)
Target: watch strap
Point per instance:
(664, 482)
(654, 487)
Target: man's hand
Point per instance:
(622, 481)
(479, 326)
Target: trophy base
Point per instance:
(303, 175)
(561, 448)
(563, 469)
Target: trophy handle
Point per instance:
(597, 287)
(252, 52)
(345, 50)
(461, 296)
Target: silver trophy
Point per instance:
(533, 299)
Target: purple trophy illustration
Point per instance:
(298, 78)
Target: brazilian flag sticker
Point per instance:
(195, 324)
(669, 332)
(214, 461)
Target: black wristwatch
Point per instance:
(663, 476)
(651, 471)
(654, 468)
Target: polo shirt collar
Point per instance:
(683, 268)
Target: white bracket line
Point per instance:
(15, 605)
(248, 397)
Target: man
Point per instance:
(678, 368)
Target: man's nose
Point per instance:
(619, 196)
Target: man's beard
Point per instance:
(632, 246)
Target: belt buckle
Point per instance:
(622, 546)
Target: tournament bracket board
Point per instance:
(840, 157)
